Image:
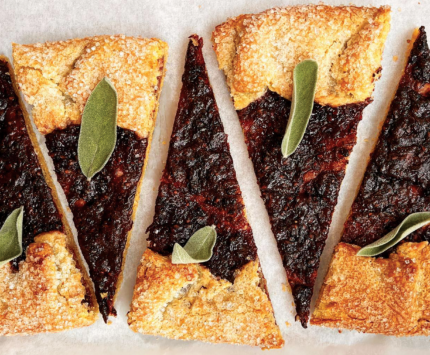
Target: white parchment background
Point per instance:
(173, 21)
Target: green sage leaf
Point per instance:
(198, 249)
(304, 85)
(97, 137)
(410, 224)
(11, 236)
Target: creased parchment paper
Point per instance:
(173, 21)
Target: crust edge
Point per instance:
(188, 303)
(242, 98)
(392, 298)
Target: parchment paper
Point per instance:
(173, 21)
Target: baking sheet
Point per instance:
(173, 21)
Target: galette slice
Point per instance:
(388, 294)
(46, 288)
(223, 300)
(57, 79)
(258, 54)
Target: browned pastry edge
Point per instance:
(47, 294)
(375, 295)
(58, 77)
(70, 240)
(187, 302)
(259, 51)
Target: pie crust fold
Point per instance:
(187, 302)
(58, 77)
(387, 296)
(258, 52)
(47, 293)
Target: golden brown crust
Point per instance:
(70, 241)
(58, 77)
(187, 302)
(46, 294)
(260, 51)
(375, 295)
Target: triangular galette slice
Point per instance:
(57, 79)
(388, 294)
(46, 288)
(258, 54)
(225, 299)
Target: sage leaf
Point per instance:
(410, 224)
(11, 237)
(198, 249)
(304, 85)
(97, 137)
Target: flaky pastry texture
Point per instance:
(187, 302)
(375, 295)
(47, 294)
(259, 52)
(58, 77)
